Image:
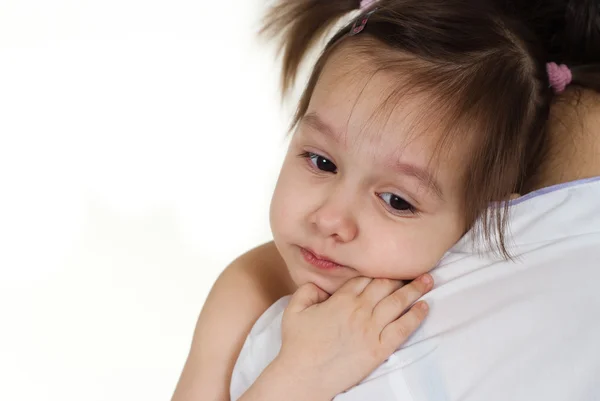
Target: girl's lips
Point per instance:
(319, 261)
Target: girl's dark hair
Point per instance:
(482, 62)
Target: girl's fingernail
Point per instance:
(423, 306)
(426, 279)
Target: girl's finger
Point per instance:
(378, 289)
(392, 306)
(396, 333)
(355, 286)
(307, 295)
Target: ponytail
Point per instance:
(587, 76)
(569, 30)
(299, 25)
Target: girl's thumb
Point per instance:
(305, 296)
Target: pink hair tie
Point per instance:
(360, 23)
(559, 76)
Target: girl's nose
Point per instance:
(334, 219)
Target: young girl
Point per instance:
(416, 118)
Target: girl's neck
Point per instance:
(574, 140)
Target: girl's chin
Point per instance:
(299, 278)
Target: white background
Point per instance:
(139, 147)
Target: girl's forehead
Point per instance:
(369, 147)
(361, 106)
(375, 113)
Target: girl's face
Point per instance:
(358, 194)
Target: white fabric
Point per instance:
(497, 330)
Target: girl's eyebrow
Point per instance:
(315, 122)
(424, 176)
(411, 170)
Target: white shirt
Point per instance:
(500, 330)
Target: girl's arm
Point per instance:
(244, 290)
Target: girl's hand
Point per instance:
(331, 343)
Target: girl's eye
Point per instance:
(397, 203)
(320, 162)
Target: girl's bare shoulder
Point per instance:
(243, 291)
